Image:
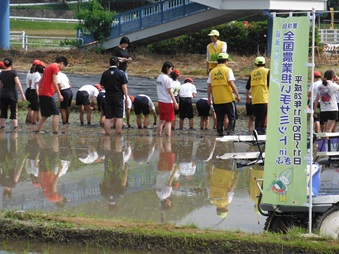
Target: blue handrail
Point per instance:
(152, 15)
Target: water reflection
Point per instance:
(138, 177)
(115, 180)
(50, 169)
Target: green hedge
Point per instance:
(242, 40)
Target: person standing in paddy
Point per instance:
(143, 104)
(175, 74)
(259, 81)
(166, 100)
(34, 91)
(65, 87)
(9, 83)
(85, 99)
(187, 92)
(221, 86)
(115, 83)
(47, 88)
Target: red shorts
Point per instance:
(166, 161)
(166, 111)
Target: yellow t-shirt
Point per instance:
(221, 90)
(259, 85)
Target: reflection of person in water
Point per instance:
(87, 154)
(143, 149)
(221, 183)
(32, 162)
(10, 165)
(114, 185)
(50, 169)
(167, 177)
(204, 149)
(187, 165)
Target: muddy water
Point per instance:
(128, 177)
(135, 176)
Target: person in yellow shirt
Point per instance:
(214, 49)
(221, 85)
(259, 83)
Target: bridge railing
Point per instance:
(151, 15)
(329, 36)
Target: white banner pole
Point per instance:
(310, 162)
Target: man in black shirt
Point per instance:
(115, 82)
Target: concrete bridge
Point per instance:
(166, 19)
(170, 18)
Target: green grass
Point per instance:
(39, 25)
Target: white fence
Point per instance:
(329, 36)
(44, 19)
(42, 42)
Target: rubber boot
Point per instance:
(231, 127)
(220, 129)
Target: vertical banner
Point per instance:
(285, 178)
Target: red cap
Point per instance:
(317, 74)
(188, 80)
(176, 72)
(131, 97)
(42, 64)
(36, 62)
(2, 65)
(98, 86)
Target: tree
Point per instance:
(95, 21)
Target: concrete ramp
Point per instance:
(184, 25)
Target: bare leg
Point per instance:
(146, 121)
(207, 122)
(89, 114)
(168, 129)
(329, 125)
(63, 115)
(35, 117)
(68, 112)
(40, 123)
(250, 123)
(191, 123)
(55, 123)
(160, 127)
(139, 121)
(181, 123)
(107, 126)
(226, 122)
(202, 122)
(128, 116)
(14, 123)
(316, 126)
(82, 112)
(3, 122)
(118, 125)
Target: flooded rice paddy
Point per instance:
(82, 172)
(135, 176)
